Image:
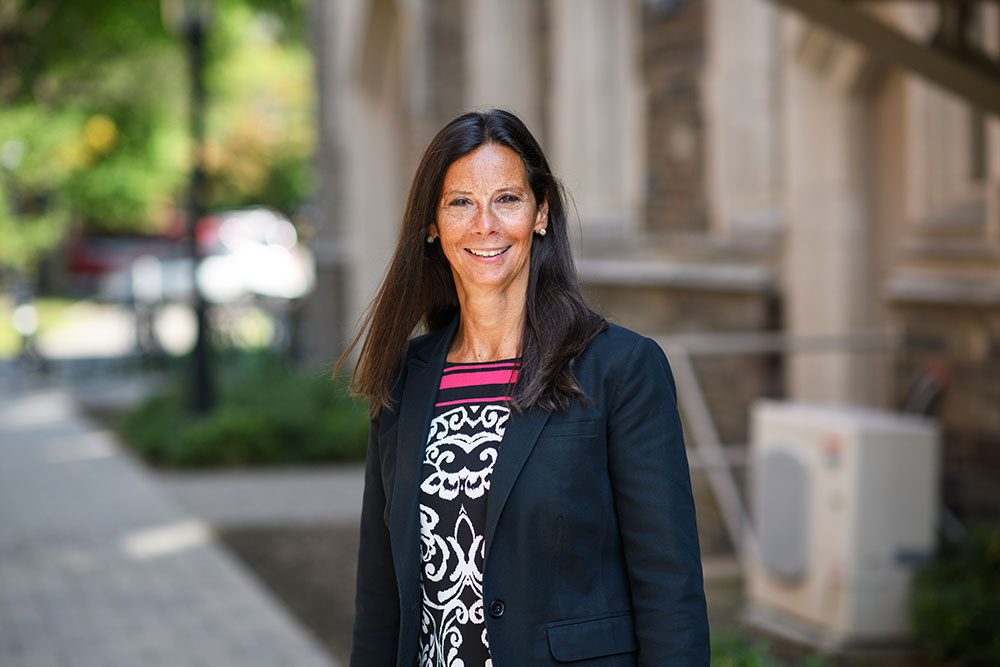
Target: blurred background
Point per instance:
(799, 199)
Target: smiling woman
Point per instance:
(527, 496)
(485, 222)
(482, 185)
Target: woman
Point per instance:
(527, 497)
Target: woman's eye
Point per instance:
(461, 201)
(508, 199)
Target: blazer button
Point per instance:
(497, 608)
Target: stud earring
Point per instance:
(541, 232)
(430, 238)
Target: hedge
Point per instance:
(265, 414)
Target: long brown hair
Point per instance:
(419, 288)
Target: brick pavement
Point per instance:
(99, 566)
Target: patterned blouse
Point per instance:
(470, 417)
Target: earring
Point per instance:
(541, 232)
(430, 238)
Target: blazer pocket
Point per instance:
(580, 639)
(566, 429)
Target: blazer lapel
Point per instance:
(519, 439)
(416, 409)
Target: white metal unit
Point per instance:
(844, 504)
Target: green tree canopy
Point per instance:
(93, 115)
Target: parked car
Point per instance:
(245, 253)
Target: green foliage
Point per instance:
(956, 600)
(27, 237)
(733, 650)
(98, 104)
(261, 129)
(38, 152)
(291, 14)
(96, 95)
(267, 414)
(53, 42)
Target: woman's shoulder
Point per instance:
(619, 351)
(621, 343)
(624, 356)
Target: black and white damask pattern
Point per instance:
(462, 448)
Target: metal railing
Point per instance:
(714, 458)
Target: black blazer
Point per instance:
(592, 552)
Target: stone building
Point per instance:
(736, 166)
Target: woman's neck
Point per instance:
(489, 328)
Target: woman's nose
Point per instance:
(484, 221)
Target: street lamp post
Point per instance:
(191, 19)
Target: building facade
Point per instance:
(735, 168)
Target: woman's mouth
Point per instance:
(486, 253)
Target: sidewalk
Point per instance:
(99, 566)
(295, 495)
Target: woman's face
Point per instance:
(485, 220)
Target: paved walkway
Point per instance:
(283, 496)
(100, 567)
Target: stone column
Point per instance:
(323, 330)
(363, 149)
(744, 121)
(596, 111)
(829, 272)
(502, 63)
(375, 187)
(991, 40)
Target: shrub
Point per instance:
(734, 650)
(265, 414)
(956, 600)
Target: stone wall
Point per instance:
(673, 38)
(961, 346)
(730, 383)
(445, 31)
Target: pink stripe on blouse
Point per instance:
(508, 364)
(471, 379)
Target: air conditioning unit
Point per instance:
(844, 505)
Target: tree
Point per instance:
(83, 123)
(93, 116)
(36, 155)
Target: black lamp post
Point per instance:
(191, 19)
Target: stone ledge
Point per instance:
(746, 278)
(944, 290)
(951, 249)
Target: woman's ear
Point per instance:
(543, 213)
(432, 229)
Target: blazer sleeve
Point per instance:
(651, 485)
(376, 620)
